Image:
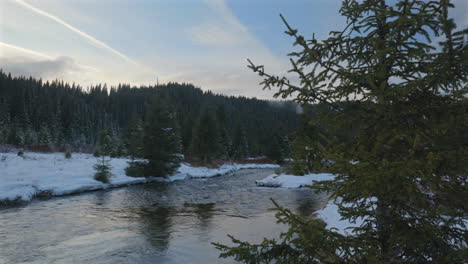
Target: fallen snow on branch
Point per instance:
(21, 178)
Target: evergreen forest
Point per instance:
(55, 115)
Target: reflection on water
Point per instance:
(153, 223)
(157, 223)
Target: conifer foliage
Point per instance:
(206, 141)
(162, 144)
(155, 151)
(403, 173)
(103, 170)
(54, 114)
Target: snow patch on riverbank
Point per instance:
(292, 181)
(22, 178)
(329, 214)
(204, 172)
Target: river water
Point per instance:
(153, 223)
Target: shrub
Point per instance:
(297, 167)
(103, 173)
(279, 171)
(135, 169)
(68, 155)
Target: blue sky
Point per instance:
(205, 42)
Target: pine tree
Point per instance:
(227, 150)
(16, 134)
(103, 170)
(77, 116)
(44, 135)
(4, 121)
(305, 148)
(241, 144)
(404, 171)
(162, 144)
(58, 138)
(134, 139)
(205, 142)
(276, 151)
(106, 144)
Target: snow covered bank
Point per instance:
(292, 181)
(21, 178)
(329, 213)
(186, 171)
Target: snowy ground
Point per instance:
(24, 177)
(292, 181)
(329, 213)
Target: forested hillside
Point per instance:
(34, 112)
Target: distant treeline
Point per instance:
(34, 112)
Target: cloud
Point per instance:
(212, 34)
(79, 32)
(45, 68)
(26, 62)
(225, 82)
(13, 48)
(208, 47)
(229, 43)
(222, 28)
(460, 13)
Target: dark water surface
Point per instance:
(152, 223)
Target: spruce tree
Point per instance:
(276, 149)
(77, 116)
(162, 145)
(205, 138)
(4, 121)
(106, 145)
(103, 170)
(44, 135)
(241, 144)
(403, 174)
(305, 147)
(227, 150)
(134, 139)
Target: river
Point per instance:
(152, 223)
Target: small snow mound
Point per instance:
(292, 181)
(330, 215)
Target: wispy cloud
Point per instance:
(10, 53)
(44, 68)
(76, 30)
(212, 34)
(224, 68)
(207, 47)
(22, 50)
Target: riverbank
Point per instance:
(293, 181)
(149, 223)
(22, 178)
(329, 212)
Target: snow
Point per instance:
(204, 172)
(329, 213)
(292, 181)
(23, 177)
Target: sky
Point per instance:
(141, 42)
